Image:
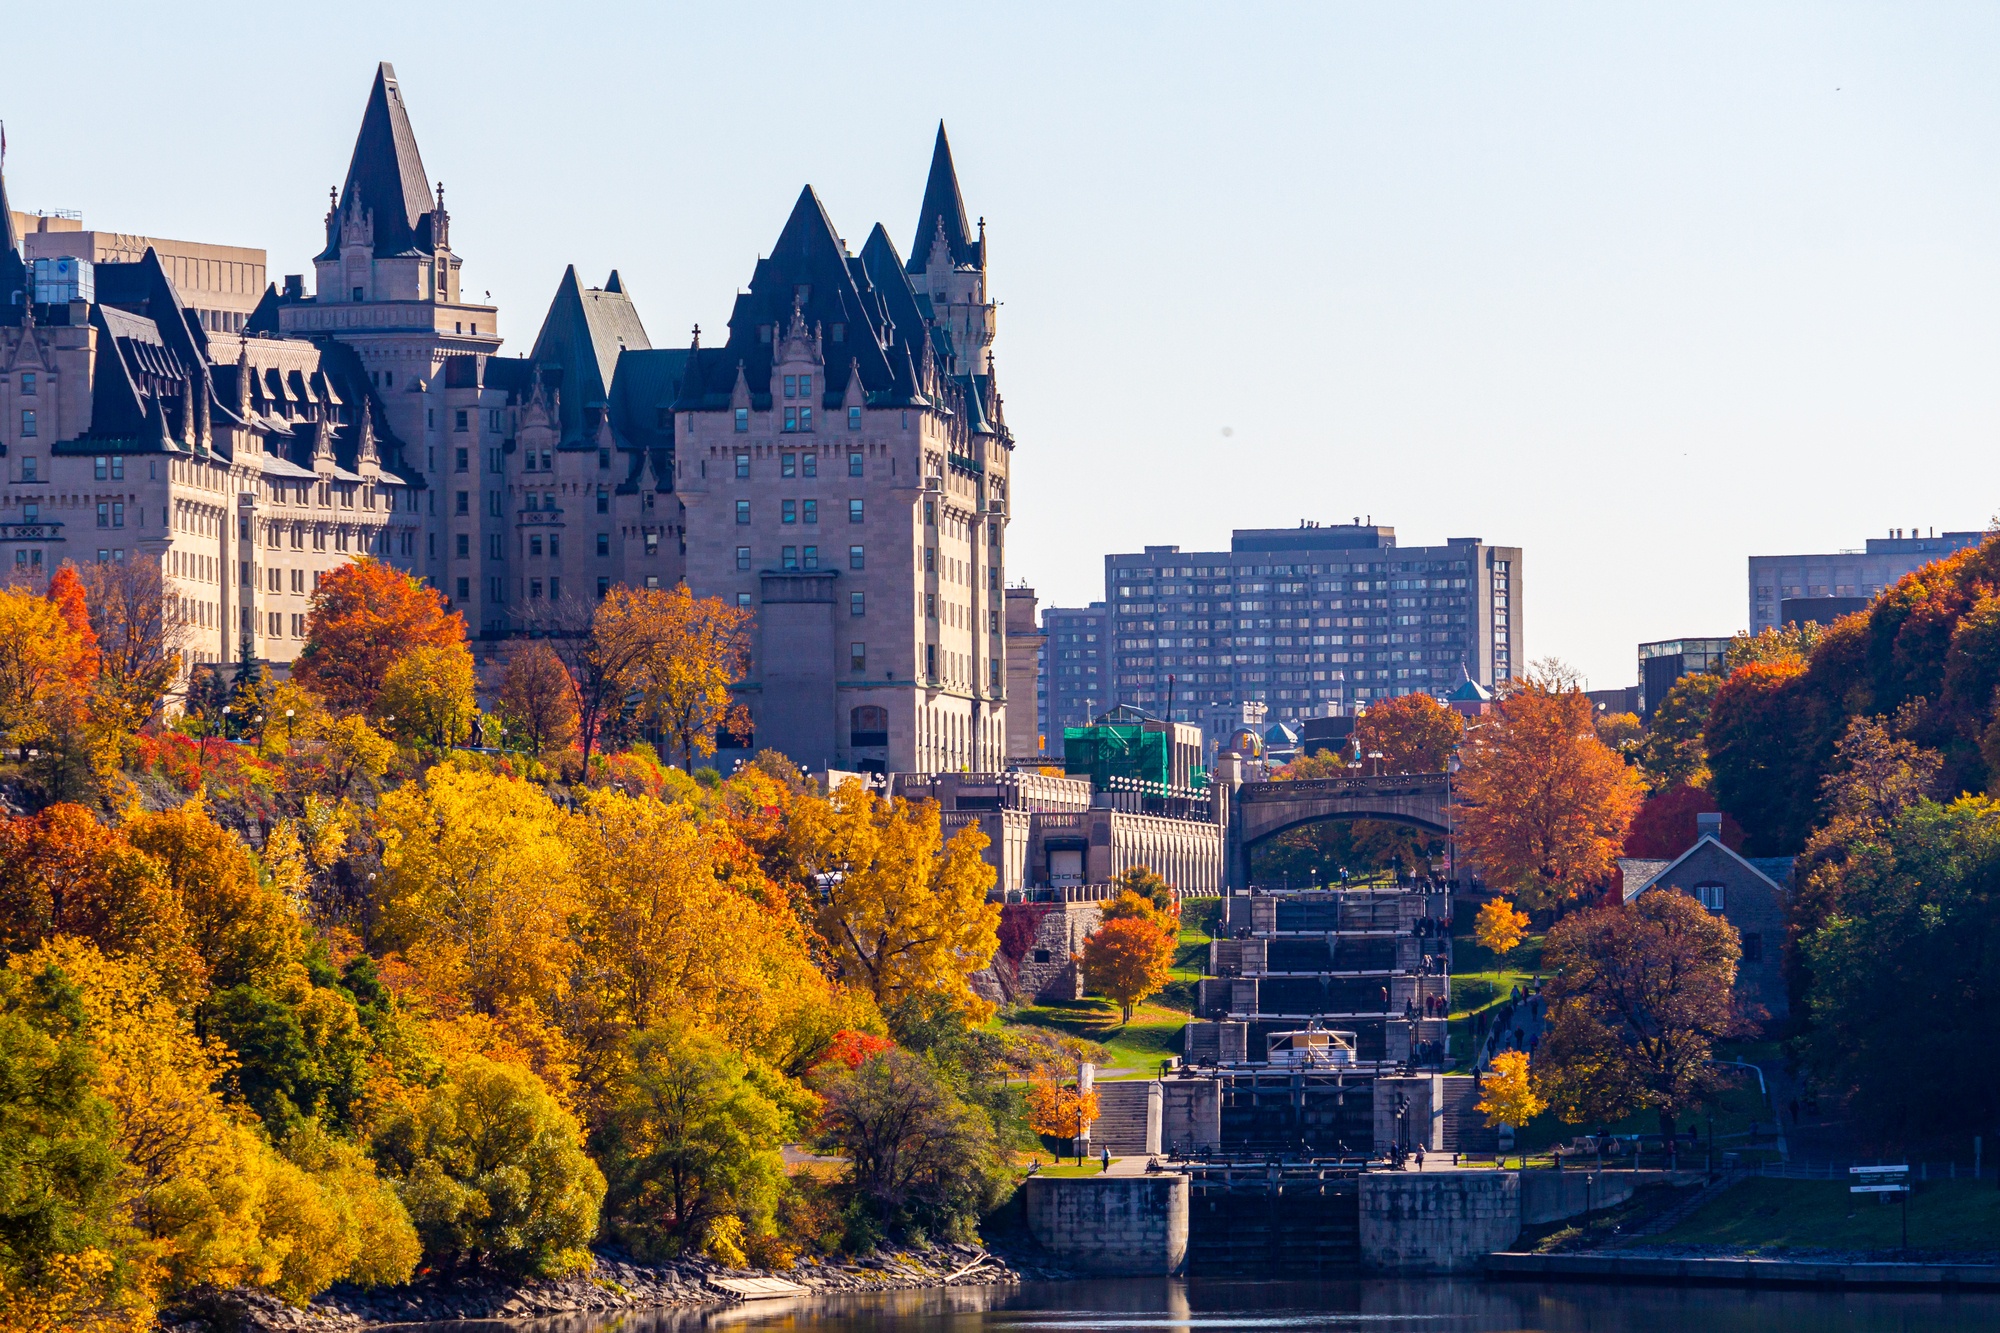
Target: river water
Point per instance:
(1443, 1305)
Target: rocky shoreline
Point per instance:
(618, 1283)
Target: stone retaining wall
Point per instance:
(1446, 1222)
(1125, 1226)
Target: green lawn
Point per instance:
(1766, 1216)
(1134, 1048)
(1200, 917)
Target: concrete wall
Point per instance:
(1551, 1196)
(1446, 1222)
(1116, 1226)
(1190, 1114)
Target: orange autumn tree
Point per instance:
(1413, 734)
(1547, 802)
(1127, 959)
(66, 591)
(364, 616)
(537, 700)
(1060, 1110)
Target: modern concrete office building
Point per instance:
(1797, 588)
(1312, 621)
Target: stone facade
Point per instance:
(1026, 643)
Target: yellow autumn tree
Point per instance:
(1058, 1109)
(665, 937)
(685, 653)
(1507, 1093)
(1499, 927)
(477, 895)
(901, 911)
(427, 695)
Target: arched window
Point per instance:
(868, 726)
(1709, 895)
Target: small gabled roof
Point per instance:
(386, 174)
(1761, 868)
(943, 206)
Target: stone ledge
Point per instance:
(1744, 1272)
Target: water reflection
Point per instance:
(1460, 1306)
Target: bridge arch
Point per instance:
(1260, 811)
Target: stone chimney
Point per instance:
(1708, 826)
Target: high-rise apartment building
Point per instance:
(1076, 675)
(1310, 620)
(1786, 589)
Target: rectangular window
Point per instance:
(603, 587)
(464, 502)
(29, 470)
(857, 656)
(1710, 896)
(854, 418)
(535, 545)
(117, 513)
(743, 599)
(805, 386)
(788, 465)
(462, 460)
(788, 511)
(743, 511)
(854, 514)
(791, 420)
(742, 420)
(806, 419)
(652, 544)
(534, 590)
(791, 386)
(28, 384)
(464, 546)
(103, 515)
(1753, 947)
(930, 514)
(555, 590)
(743, 557)
(857, 557)
(854, 465)
(857, 604)
(790, 557)
(809, 465)
(812, 557)
(603, 500)
(603, 544)
(812, 511)
(101, 469)
(603, 460)
(464, 589)
(742, 467)
(555, 543)
(458, 424)
(930, 606)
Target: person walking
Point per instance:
(1107, 1159)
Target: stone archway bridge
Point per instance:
(1261, 810)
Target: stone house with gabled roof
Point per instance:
(1753, 893)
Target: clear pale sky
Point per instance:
(1643, 291)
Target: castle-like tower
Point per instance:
(843, 466)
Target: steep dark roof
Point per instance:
(809, 269)
(13, 271)
(386, 175)
(584, 334)
(943, 206)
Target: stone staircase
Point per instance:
(1685, 1209)
(1465, 1127)
(1128, 1118)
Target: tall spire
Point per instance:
(386, 175)
(943, 206)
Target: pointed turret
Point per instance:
(943, 207)
(808, 232)
(386, 175)
(13, 270)
(583, 336)
(367, 452)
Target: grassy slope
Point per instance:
(1770, 1215)
(1136, 1048)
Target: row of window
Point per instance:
(1297, 571)
(800, 465)
(798, 420)
(789, 511)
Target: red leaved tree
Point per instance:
(364, 617)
